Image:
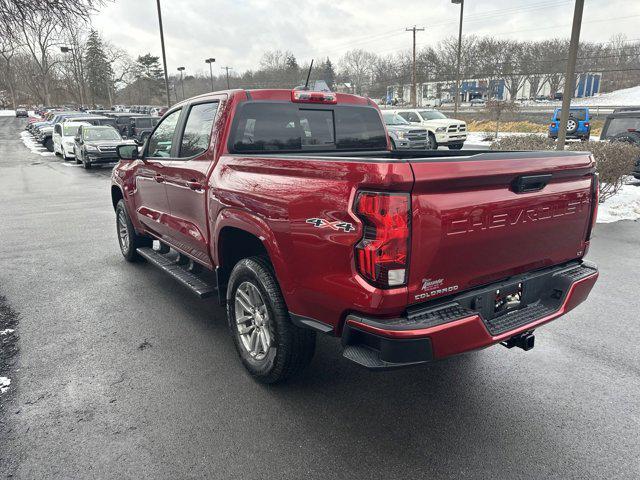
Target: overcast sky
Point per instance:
(237, 32)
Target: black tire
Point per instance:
(432, 144)
(291, 348)
(456, 146)
(135, 241)
(627, 137)
(48, 143)
(86, 165)
(393, 144)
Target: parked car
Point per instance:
(97, 144)
(21, 112)
(478, 102)
(64, 135)
(123, 121)
(404, 135)
(288, 206)
(140, 127)
(43, 132)
(623, 125)
(578, 125)
(442, 130)
(99, 120)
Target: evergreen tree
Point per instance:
(98, 69)
(327, 73)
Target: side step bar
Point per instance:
(199, 286)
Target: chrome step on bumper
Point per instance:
(198, 285)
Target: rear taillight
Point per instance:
(595, 199)
(305, 96)
(586, 124)
(553, 125)
(382, 254)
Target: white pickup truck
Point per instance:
(442, 130)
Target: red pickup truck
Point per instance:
(291, 207)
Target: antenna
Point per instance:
(306, 84)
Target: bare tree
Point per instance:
(12, 12)
(8, 51)
(358, 67)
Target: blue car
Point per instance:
(578, 125)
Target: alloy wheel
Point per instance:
(123, 232)
(253, 321)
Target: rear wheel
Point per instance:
(572, 125)
(128, 239)
(270, 346)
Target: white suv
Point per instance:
(442, 130)
(64, 134)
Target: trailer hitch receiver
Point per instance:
(525, 341)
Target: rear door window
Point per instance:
(267, 126)
(622, 125)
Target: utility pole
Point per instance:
(414, 90)
(227, 69)
(569, 80)
(164, 55)
(457, 99)
(181, 69)
(210, 62)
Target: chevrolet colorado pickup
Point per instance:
(291, 207)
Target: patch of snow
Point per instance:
(7, 113)
(625, 205)
(4, 384)
(6, 331)
(626, 97)
(34, 146)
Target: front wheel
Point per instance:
(431, 142)
(270, 346)
(456, 146)
(128, 239)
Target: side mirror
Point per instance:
(127, 152)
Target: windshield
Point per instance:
(431, 115)
(622, 125)
(267, 126)
(70, 130)
(394, 119)
(101, 134)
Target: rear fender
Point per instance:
(240, 219)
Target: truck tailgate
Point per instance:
(473, 224)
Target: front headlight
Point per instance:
(402, 135)
(91, 148)
(441, 129)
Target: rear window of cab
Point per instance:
(286, 127)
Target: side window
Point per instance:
(58, 129)
(159, 145)
(410, 117)
(197, 131)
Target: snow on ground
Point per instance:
(6, 331)
(34, 146)
(625, 205)
(7, 113)
(618, 98)
(4, 384)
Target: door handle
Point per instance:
(530, 183)
(194, 185)
(159, 178)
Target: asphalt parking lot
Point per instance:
(123, 374)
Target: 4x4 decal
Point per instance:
(337, 225)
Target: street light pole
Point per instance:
(181, 69)
(569, 80)
(76, 72)
(210, 62)
(227, 69)
(164, 55)
(457, 98)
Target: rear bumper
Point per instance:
(466, 322)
